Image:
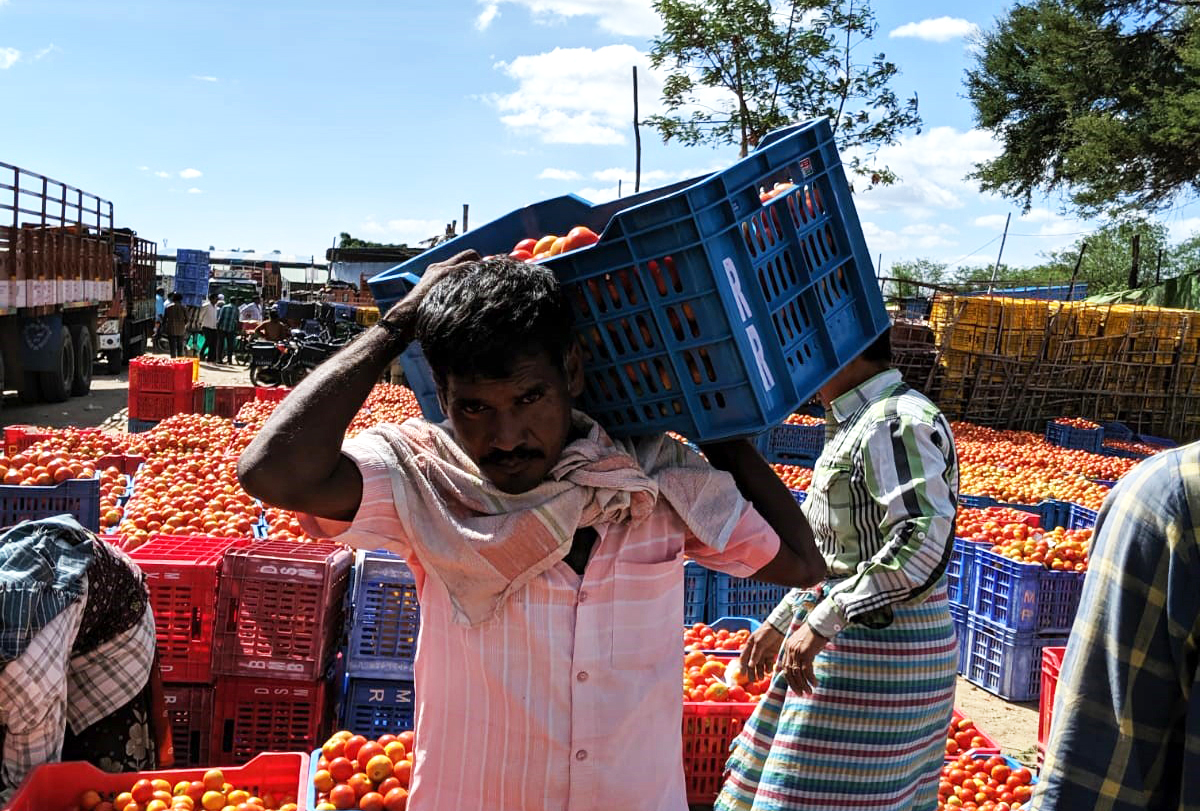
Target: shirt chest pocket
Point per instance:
(828, 504)
(647, 612)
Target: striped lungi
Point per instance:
(873, 733)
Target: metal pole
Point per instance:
(1003, 239)
(1137, 255)
(637, 137)
(465, 218)
(1075, 273)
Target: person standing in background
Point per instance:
(252, 310)
(228, 326)
(208, 328)
(175, 324)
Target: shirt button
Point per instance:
(583, 595)
(581, 754)
(581, 676)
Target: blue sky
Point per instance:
(276, 125)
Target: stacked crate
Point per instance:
(377, 693)
(159, 389)
(1016, 610)
(192, 271)
(278, 622)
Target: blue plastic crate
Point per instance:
(190, 256)
(1117, 430)
(1121, 453)
(374, 707)
(1065, 514)
(140, 426)
(959, 572)
(695, 593)
(194, 299)
(188, 286)
(1157, 441)
(1023, 597)
(792, 444)
(1082, 439)
(1007, 663)
(959, 613)
(385, 618)
(702, 310)
(78, 497)
(742, 596)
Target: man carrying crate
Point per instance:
(547, 556)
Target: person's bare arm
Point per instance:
(296, 460)
(798, 562)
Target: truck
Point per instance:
(65, 271)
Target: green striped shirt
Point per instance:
(881, 504)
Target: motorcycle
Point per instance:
(287, 362)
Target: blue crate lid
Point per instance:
(792, 277)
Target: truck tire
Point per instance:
(56, 385)
(28, 390)
(81, 340)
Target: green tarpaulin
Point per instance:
(1180, 293)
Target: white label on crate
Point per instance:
(756, 346)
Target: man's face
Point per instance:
(516, 427)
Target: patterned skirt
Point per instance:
(873, 733)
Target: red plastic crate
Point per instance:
(708, 732)
(1052, 659)
(190, 708)
(271, 394)
(231, 398)
(127, 463)
(57, 786)
(253, 715)
(155, 406)
(181, 571)
(990, 746)
(159, 377)
(19, 437)
(279, 609)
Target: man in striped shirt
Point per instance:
(1126, 726)
(567, 697)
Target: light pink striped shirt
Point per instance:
(570, 699)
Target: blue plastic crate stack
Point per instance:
(192, 271)
(383, 619)
(1005, 612)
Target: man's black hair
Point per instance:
(177, 297)
(880, 351)
(160, 291)
(213, 297)
(477, 321)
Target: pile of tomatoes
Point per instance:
(702, 637)
(795, 477)
(993, 524)
(1078, 423)
(963, 737)
(354, 772)
(804, 419)
(984, 783)
(535, 250)
(703, 680)
(1063, 550)
(210, 793)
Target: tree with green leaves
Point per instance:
(1098, 100)
(738, 69)
(1108, 257)
(347, 241)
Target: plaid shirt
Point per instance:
(227, 318)
(881, 504)
(46, 688)
(1126, 726)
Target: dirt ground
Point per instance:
(1013, 726)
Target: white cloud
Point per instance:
(990, 221)
(605, 194)
(576, 95)
(933, 169)
(1180, 230)
(408, 231)
(188, 174)
(44, 52)
(939, 29)
(490, 12)
(8, 57)
(143, 168)
(1044, 222)
(162, 174)
(206, 78)
(194, 190)
(559, 174)
(627, 18)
